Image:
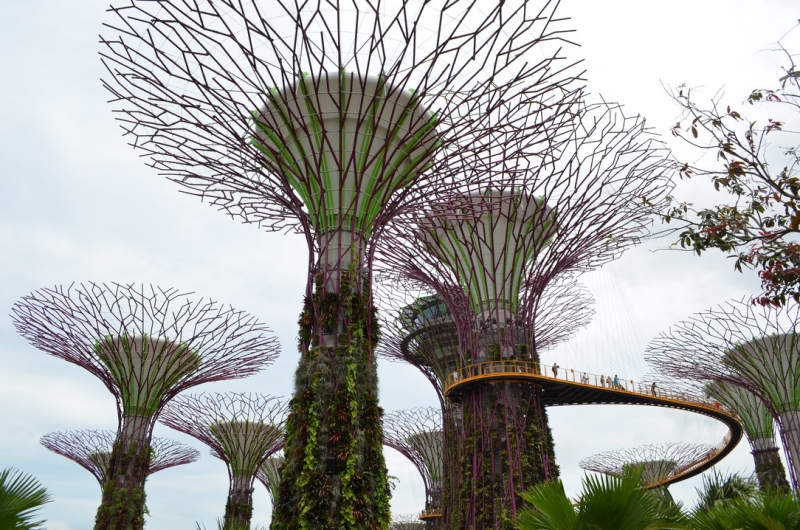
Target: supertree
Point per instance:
(417, 434)
(758, 426)
(327, 118)
(146, 344)
(406, 522)
(491, 254)
(269, 474)
(745, 345)
(425, 336)
(660, 463)
(242, 430)
(91, 450)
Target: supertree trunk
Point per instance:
(333, 434)
(239, 506)
(770, 471)
(123, 501)
(789, 427)
(759, 426)
(453, 434)
(507, 449)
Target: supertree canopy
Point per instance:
(328, 118)
(745, 345)
(242, 430)
(146, 344)
(660, 463)
(759, 427)
(417, 434)
(406, 522)
(92, 450)
(269, 474)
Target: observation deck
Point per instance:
(431, 513)
(572, 387)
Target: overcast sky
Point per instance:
(77, 204)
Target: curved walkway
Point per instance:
(572, 387)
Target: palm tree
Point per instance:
(607, 503)
(768, 511)
(718, 488)
(21, 496)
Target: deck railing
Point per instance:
(512, 368)
(515, 368)
(431, 513)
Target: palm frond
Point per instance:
(21, 496)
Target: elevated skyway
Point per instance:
(573, 387)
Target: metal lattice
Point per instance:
(91, 450)
(331, 118)
(146, 344)
(418, 435)
(659, 462)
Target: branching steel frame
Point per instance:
(258, 112)
(269, 475)
(660, 462)
(418, 435)
(91, 449)
(242, 430)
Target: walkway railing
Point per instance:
(495, 369)
(647, 394)
(431, 513)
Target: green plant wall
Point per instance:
(334, 476)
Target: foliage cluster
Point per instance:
(21, 496)
(760, 171)
(611, 502)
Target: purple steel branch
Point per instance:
(418, 435)
(91, 449)
(146, 344)
(660, 462)
(187, 77)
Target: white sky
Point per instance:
(77, 204)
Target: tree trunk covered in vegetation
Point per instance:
(334, 476)
(507, 449)
(123, 503)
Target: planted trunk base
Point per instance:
(123, 502)
(507, 449)
(334, 476)
(770, 471)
